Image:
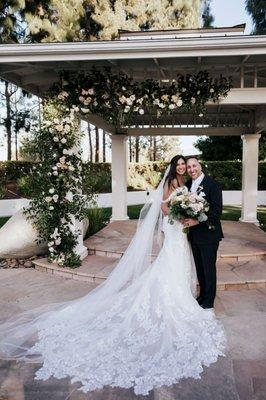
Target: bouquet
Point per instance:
(184, 204)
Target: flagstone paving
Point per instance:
(241, 240)
(241, 375)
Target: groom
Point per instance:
(205, 236)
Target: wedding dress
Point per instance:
(142, 328)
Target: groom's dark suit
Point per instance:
(205, 238)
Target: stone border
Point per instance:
(44, 266)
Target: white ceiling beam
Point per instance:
(191, 131)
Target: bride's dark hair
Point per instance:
(172, 172)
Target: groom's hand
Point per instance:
(190, 222)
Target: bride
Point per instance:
(141, 328)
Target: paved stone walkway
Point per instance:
(241, 375)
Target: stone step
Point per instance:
(222, 257)
(231, 276)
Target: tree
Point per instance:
(224, 148)
(17, 114)
(207, 17)
(71, 20)
(97, 149)
(257, 10)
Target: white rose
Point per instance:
(129, 102)
(59, 128)
(48, 199)
(126, 109)
(56, 121)
(85, 110)
(211, 90)
(69, 196)
(91, 91)
(55, 139)
(51, 191)
(193, 100)
(141, 111)
(172, 106)
(58, 241)
(67, 128)
(63, 140)
(179, 103)
(51, 208)
(55, 198)
(55, 173)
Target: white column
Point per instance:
(77, 225)
(119, 177)
(250, 161)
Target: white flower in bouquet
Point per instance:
(141, 111)
(126, 109)
(55, 198)
(172, 106)
(55, 139)
(179, 103)
(193, 100)
(211, 90)
(48, 199)
(91, 91)
(156, 102)
(133, 97)
(63, 140)
(62, 160)
(129, 101)
(51, 191)
(161, 105)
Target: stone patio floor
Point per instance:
(241, 375)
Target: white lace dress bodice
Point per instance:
(152, 333)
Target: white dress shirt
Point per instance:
(196, 183)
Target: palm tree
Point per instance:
(257, 10)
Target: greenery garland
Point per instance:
(118, 99)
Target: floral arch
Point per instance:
(116, 98)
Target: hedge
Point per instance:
(142, 176)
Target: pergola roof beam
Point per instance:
(188, 131)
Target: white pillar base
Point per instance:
(249, 221)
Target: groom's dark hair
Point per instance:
(192, 157)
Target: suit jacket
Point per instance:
(201, 233)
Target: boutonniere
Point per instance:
(199, 191)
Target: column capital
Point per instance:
(251, 136)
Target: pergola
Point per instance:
(162, 55)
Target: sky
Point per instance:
(226, 13)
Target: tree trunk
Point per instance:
(8, 121)
(96, 144)
(154, 148)
(90, 143)
(130, 149)
(150, 148)
(137, 149)
(104, 146)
